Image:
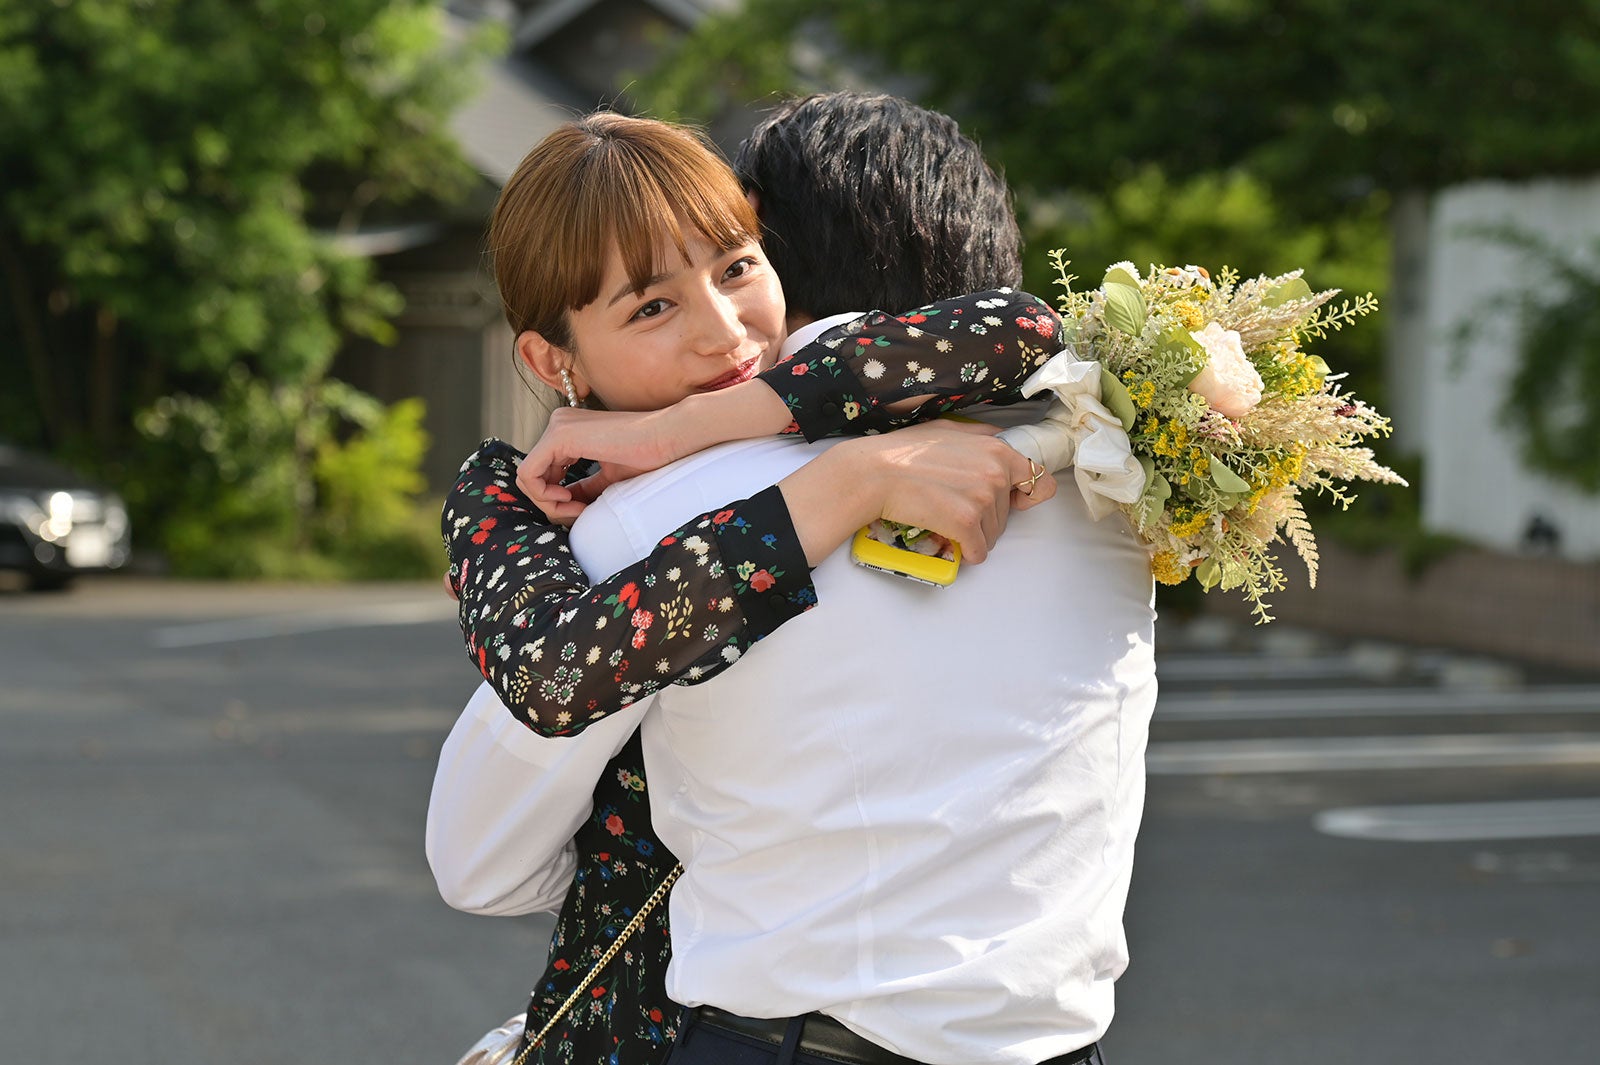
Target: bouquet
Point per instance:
(1228, 418)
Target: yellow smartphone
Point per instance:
(929, 569)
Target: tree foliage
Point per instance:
(1320, 98)
(175, 173)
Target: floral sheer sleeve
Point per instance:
(950, 354)
(562, 654)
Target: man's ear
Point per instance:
(547, 361)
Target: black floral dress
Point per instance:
(562, 652)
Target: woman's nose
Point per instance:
(718, 328)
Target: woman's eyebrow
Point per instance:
(628, 288)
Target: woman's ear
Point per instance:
(547, 361)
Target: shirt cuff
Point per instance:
(764, 562)
(821, 390)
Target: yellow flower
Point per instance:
(1186, 521)
(1189, 315)
(1167, 568)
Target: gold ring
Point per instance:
(1026, 487)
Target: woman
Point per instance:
(628, 262)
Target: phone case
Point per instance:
(874, 554)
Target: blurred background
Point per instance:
(247, 336)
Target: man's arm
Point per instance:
(506, 803)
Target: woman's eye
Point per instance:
(740, 268)
(651, 309)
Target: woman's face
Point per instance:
(698, 326)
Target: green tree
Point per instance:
(1321, 98)
(175, 173)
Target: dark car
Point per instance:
(54, 524)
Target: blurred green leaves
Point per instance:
(175, 173)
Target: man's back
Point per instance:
(910, 808)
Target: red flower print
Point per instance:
(513, 549)
(655, 1015)
(801, 369)
(604, 856)
(639, 640)
(488, 523)
(1026, 323)
(597, 991)
(668, 541)
(915, 319)
(643, 619)
(479, 537)
(865, 342)
(629, 595)
(561, 965)
(614, 825)
(761, 580)
(999, 349)
(483, 661)
(722, 516)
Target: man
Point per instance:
(907, 817)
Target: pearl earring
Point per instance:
(572, 393)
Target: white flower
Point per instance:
(600, 622)
(593, 656)
(674, 573)
(990, 305)
(1125, 265)
(725, 604)
(730, 654)
(872, 369)
(1229, 383)
(663, 666)
(926, 374)
(990, 319)
(942, 344)
(913, 331)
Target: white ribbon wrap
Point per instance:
(1080, 431)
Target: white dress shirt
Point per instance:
(911, 808)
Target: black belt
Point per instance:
(826, 1037)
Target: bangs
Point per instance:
(607, 181)
(644, 197)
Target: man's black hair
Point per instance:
(869, 201)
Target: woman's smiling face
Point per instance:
(696, 326)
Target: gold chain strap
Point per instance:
(633, 926)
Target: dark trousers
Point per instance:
(703, 1041)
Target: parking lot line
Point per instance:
(1190, 758)
(1520, 819)
(259, 628)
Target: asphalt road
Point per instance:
(212, 850)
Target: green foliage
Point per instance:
(285, 481)
(1322, 97)
(176, 175)
(1553, 403)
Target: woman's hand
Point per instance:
(953, 478)
(628, 443)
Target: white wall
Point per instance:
(1475, 486)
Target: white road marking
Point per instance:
(1521, 819)
(260, 628)
(1376, 702)
(1371, 752)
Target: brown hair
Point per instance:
(594, 181)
